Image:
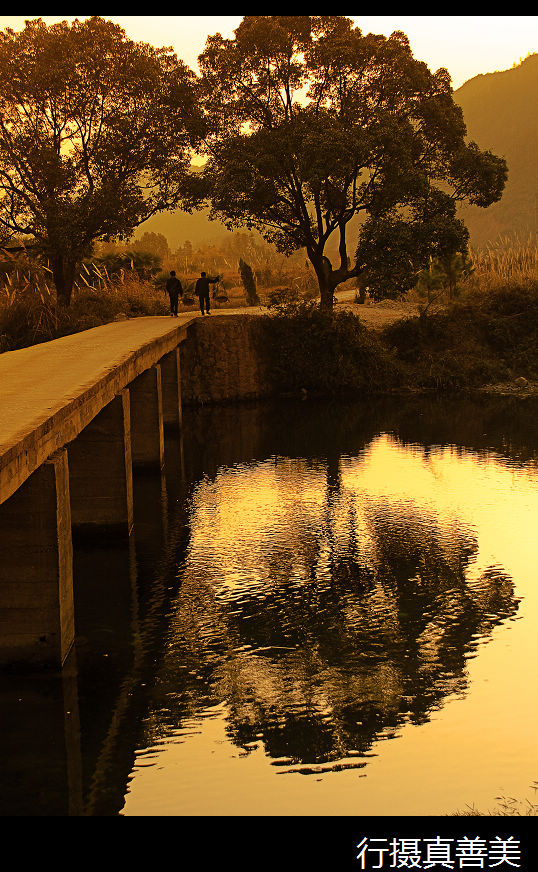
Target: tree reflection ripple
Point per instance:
(324, 617)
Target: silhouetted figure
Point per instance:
(202, 291)
(174, 289)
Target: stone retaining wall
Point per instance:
(222, 360)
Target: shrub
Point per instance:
(326, 353)
(287, 301)
(249, 284)
(161, 278)
(489, 337)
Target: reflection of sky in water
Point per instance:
(325, 609)
(239, 515)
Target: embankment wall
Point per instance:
(223, 360)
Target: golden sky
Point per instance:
(465, 44)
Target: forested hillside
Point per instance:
(500, 111)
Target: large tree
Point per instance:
(96, 133)
(311, 123)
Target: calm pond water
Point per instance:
(326, 609)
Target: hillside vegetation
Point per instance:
(499, 110)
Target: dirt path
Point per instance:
(373, 315)
(377, 315)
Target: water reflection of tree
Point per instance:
(352, 635)
(505, 425)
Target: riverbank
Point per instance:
(512, 389)
(486, 342)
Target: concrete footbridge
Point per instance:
(77, 415)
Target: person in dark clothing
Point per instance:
(202, 291)
(174, 290)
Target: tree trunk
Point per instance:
(322, 267)
(361, 287)
(327, 299)
(329, 279)
(63, 272)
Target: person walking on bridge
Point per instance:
(174, 289)
(202, 291)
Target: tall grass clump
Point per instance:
(507, 806)
(27, 303)
(509, 259)
(460, 277)
(488, 336)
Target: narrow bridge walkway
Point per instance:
(37, 381)
(42, 387)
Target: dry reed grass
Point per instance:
(510, 260)
(28, 306)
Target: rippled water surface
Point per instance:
(326, 609)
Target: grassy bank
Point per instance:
(30, 316)
(485, 337)
(488, 337)
(312, 351)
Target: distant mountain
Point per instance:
(501, 113)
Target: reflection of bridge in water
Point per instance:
(70, 734)
(83, 426)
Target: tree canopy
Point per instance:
(96, 133)
(311, 123)
(155, 243)
(312, 132)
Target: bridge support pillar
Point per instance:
(171, 389)
(37, 621)
(100, 473)
(147, 431)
